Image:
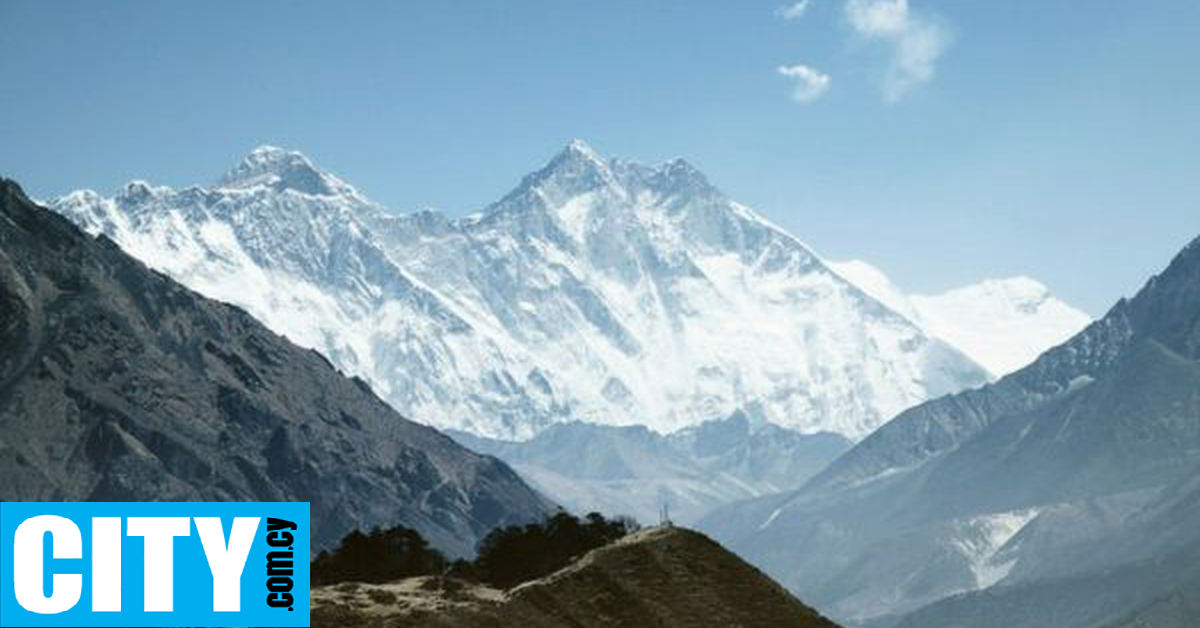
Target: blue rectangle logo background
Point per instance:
(193, 590)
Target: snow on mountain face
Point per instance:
(285, 170)
(1003, 324)
(597, 290)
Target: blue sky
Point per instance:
(942, 140)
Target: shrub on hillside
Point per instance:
(507, 556)
(512, 555)
(378, 556)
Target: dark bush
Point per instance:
(507, 556)
(463, 570)
(379, 556)
(510, 556)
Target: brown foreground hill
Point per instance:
(656, 578)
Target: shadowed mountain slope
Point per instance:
(118, 384)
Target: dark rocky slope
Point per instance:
(116, 383)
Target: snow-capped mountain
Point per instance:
(1003, 324)
(598, 289)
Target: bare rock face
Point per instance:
(664, 577)
(116, 383)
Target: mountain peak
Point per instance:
(578, 157)
(679, 176)
(1165, 308)
(578, 169)
(1019, 290)
(1189, 253)
(268, 157)
(680, 166)
(582, 149)
(140, 191)
(574, 170)
(11, 189)
(282, 169)
(269, 152)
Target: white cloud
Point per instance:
(917, 41)
(794, 11)
(878, 18)
(810, 84)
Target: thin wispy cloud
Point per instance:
(794, 11)
(917, 41)
(809, 85)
